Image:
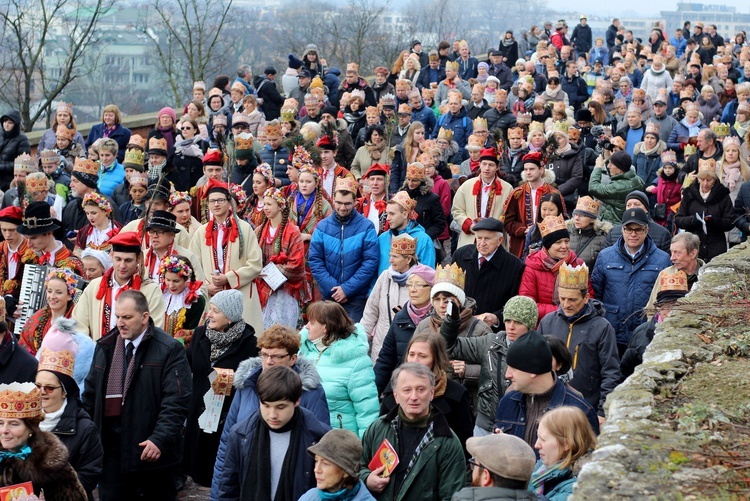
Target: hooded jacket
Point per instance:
(12, 144)
(568, 168)
(589, 242)
(591, 340)
(269, 93)
(613, 194)
(459, 123)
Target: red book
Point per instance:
(17, 491)
(384, 456)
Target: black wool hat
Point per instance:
(530, 353)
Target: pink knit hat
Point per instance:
(425, 272)
(168, 111)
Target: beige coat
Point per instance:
(240, 270)
(465, 207)
(376, 319)
(89, 311)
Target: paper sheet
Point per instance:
(209, 420)
(273, 276)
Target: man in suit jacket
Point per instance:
(500, 271)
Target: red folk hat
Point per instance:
(128, 241)
(13, 215)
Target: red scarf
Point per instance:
(104, 293)
(153, 260)
(231, 233)
(496, 188)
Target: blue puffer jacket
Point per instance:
(425, 247)
(460, 125)
(344, 254)
(348, 380)
(232, 486)
(278, 160)
(110, 178)
(426, 116)
(246, 403)
(624, 284)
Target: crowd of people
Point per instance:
(418, 287)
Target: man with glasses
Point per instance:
(344, 252)
(278, 345)
(625, 274)
(213, 170)
(162, 230)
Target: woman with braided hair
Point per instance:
(100, 228)
(281, 244)
(262, 180)
(183, 297)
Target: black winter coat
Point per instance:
(80, 436)
(500, 120)
(269, 93)
(121, 135)
(568, 169)
(157, 404)
(16, 364)
(201, 447)
(429, 210)
(394, 348)
(12, 144)
(497, 282)
(742, 210)
(633, 356)
(718, 206)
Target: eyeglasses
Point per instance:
(156, 233)
(275, 358)
(416, 286)
(474, 463)
(215, 201)
(343, 204)
(633, 231)
(47, 388)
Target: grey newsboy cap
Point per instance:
(342, 448)
(505, 455)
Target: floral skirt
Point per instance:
(282, 308)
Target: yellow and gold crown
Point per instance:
(446, 134)
(576, 278)
(138, 141)
(551, 224)
(536, 127)
(501, 94)
(25, 163)
(65, 133)
(588, 204)
(677, 281)
(451, 65)
(156, 143)
(86, 166)
(20, 400)
(450, 274)
(49, 156)
(287, 115)
(415, 171)
(560, 127)
(480, 123)
(515, 133)
(59, 361)
(404, 201)
(347, 183)
(273, 129)
(36, 182)
(134, 156)
(404, 245)
(689, 150)
(721, 129)
(244, 141)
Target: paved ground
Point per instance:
(193, 492)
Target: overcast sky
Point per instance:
(644, 7)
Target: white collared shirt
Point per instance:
(12, 266)
(136, 342)
(328, 180)
(485, 194)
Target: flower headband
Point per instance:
(174, 264)
(301, 158)
(277, 195)
(238, 194)
(264, 170)
(98, 200)
(178, 197)
(66, 276)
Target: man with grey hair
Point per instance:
(683, 252)
(431, 460)
(245, 76)
(709, 147)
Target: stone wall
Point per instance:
(674, 426)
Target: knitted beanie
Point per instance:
(521, 309)
(530, 353)
(229, 302)
(169, 112)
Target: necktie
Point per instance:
(44, 258)
(482, 260)
(129, 349)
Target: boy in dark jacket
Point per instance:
(271, 445)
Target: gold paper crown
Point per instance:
(668, 156)
(707, 166)
(156, 143)
(244, 141)
(49, 156)
(25, 163)
(65, 107)
(653, 128)
(515, 133)
(59, 361)
(403, 245)
(138, 178)
(689, 150)
(215, 91)
(415, 171)
(36, 182)
(501, 94)
(287, 115)
(551, 224)
(450, 274)
(291, 103)
(576, 278)
(452, 65)
(134, 156)
(372, 111)
(65, 133)
(721, 129)
(558, 107)
(352, 67)
(446, 134)
(677, 281)
(428, 93)
(347, 183)
(403, 84)
(639, 93)
(404, 108)
(475, 141)
(20, 400)
(273, 129)
(523, 118)
(402, 199)
(588, 204)
(86, 166)
(536, 127)
(138, 141)
(480, 123)
(559, 127)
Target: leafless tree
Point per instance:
(187, 36)
(42, 49)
